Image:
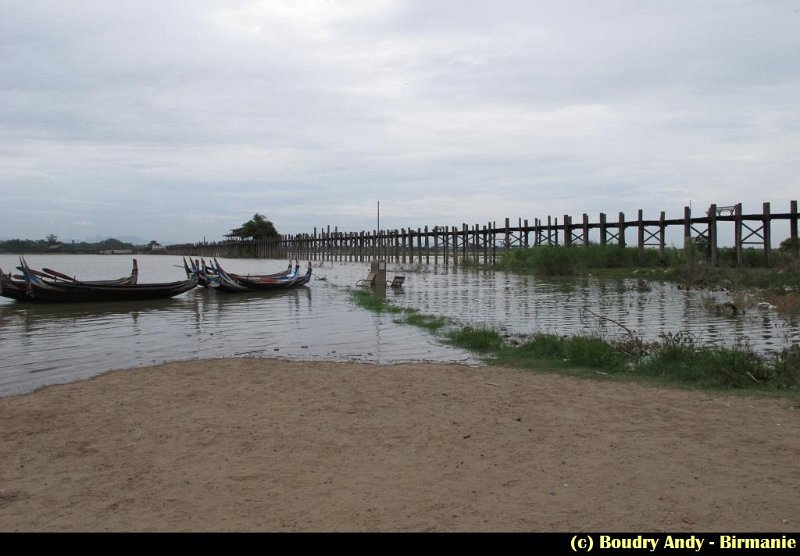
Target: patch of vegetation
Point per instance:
(556, 352)
(677, 359)
(777, 282)
(258, 227)
(428, 322)
(368, 300)
(558, 260)
(480, 340)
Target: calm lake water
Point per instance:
(46, 344)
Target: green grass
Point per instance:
(558, 260)
(479, 340)
(428, 322)
(778, 282)
(559, 352)
(675, 360)
(368, 300)
(678, 358)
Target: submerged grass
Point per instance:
(776, 282)
(480, 340)
(368, 300)
(675, 360)
(686, 266)
(428, 322)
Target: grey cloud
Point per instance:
(445, 111)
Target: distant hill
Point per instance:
(135, 240)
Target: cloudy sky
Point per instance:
(178, 120)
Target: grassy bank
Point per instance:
(777, 283)
(673, 360)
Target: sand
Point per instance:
(272, 445)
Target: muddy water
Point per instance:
(45, 344)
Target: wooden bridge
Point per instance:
(470, 244)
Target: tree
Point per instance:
(113, 244)
(52, 238)
(257, 227)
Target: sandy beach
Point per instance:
(273, 445)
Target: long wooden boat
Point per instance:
(13, 289)
(194, 269)
(208, 277)
(46, 290)
(18, 288)
(239, 283)
(124, 281)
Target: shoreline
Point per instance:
(279, 445)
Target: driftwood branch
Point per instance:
(751, 376)
(601, 318)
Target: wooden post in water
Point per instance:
(492, 242)
(436, 246)
(737, 234)
(621, 229)
(640, 229)
(484, 246)
(329, 245)
(687, 226)
(480, 242)
(315, 245)
(662, 237)
(446, 247)
(556, 229)
(464, 242)
(473, 243)
(585, 230)
(527, 230)
(603, 231)
(767, 225)
(419, 244)
(427, 248)
(712, 234)
(795, 248)
(362, 247)
(455, 246)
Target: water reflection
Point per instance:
(41, 344)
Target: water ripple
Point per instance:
(46, 344)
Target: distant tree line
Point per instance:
(52, 245)
(258, 227)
